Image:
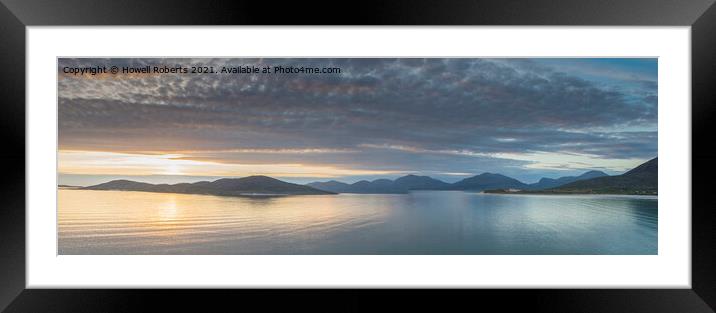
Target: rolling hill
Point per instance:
(546, 183)
(414, 182)
(642, 179)
(378, 186)
(480, 182)
(384, 186)
(246, 186)
(486, 181)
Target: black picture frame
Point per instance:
(16, 15)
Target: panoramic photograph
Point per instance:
(357, 156)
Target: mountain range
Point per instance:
(643, 179)
(246, 186)
(484, 181)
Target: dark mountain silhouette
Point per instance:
(649, 170)
(643, 179)
(480, 182)
(414, 182)
(332, 186)
(68, 186)
(486, 181)
(246, 186)
(401, 185)
(121, 184)
(640, 180)
(377, 186)
(546, 183)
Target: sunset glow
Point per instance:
(448, 118)
(112, 163)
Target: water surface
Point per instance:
(428, 222)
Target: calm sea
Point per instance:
(429, 222)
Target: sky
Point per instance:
(449, 118)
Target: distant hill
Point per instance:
(332, 186)
(378, 186)
(488, 181)
(382, 186)
(641, 180)
(547, 183)
(414, 182)
(246, 186)
(68, 186)
(480, 182)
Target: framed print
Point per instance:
(515, 154)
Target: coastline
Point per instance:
(566, 193)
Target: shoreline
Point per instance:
(557, 193)
(269, 195)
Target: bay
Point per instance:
(418, 223)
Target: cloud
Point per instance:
(477, 108)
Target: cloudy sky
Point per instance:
(447, 118)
